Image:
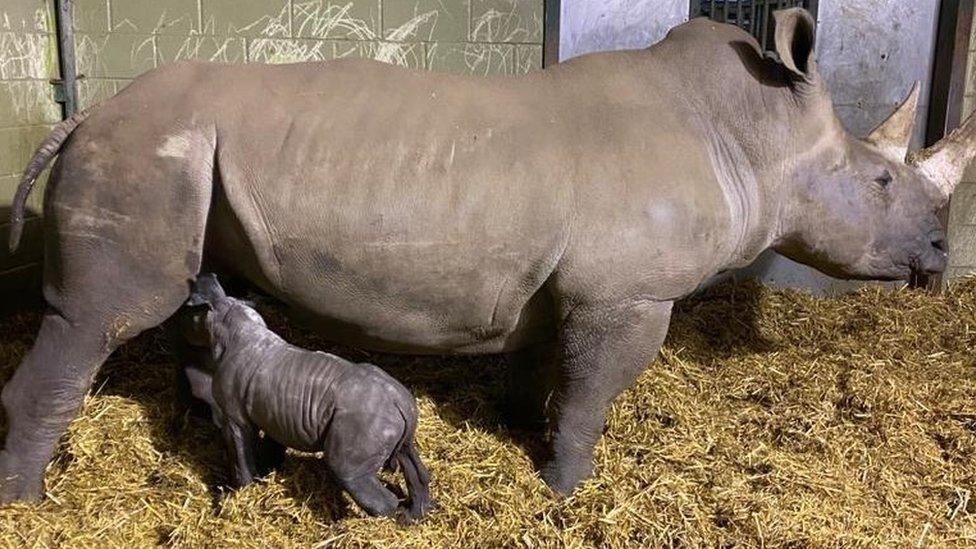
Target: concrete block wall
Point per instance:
(119, 39)
(116, 40)
(28, 60)
(962, 211)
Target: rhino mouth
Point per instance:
(929, 264)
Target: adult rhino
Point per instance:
(564, 211)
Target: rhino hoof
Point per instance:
(15, 485)
(563, 478)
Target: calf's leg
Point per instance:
(602, 351)
(241, 445)
(362, 435)
(370, 494)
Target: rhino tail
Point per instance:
(42, 156)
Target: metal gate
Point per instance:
(755, 16)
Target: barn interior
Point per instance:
(787, 407)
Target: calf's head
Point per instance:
(861, 208)
(213, 318)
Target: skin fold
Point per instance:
(554, 216)
(360, 417)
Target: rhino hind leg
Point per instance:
(603, 350)
(41, 398)
(48, 388)
(114, 267)
(370, 495)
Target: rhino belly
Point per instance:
(413, 296)
(416, 297)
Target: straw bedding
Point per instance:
(771, 418)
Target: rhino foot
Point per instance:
(16, 484)
(563, 476)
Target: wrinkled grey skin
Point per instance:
(556, 216)
(360, 417)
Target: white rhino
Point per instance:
(556, 215)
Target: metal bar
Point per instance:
(813, 8)
(64, 19)
(765, 25)
(948, 87)
(550, 32)
(752, 17)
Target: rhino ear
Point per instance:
(795, 30)
(894, 134)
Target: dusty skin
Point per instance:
(555, 216)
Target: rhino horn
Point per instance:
(894, 134)
(944, 163)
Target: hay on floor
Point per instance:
(772, 417)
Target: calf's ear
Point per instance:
(795, 38)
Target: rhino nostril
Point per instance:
(939, 244)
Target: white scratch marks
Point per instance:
(505, 26)
(175, 146)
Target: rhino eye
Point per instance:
(884, 180)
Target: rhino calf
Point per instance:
(359, 416)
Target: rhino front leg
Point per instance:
(603, 350)
(241, 446)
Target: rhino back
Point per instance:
(292, 395)
(422, 212)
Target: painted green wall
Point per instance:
(119, 39)
(27, 111)
(116, 40)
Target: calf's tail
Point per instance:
(42, 156)
(418, 479)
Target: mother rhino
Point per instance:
(557, 214)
